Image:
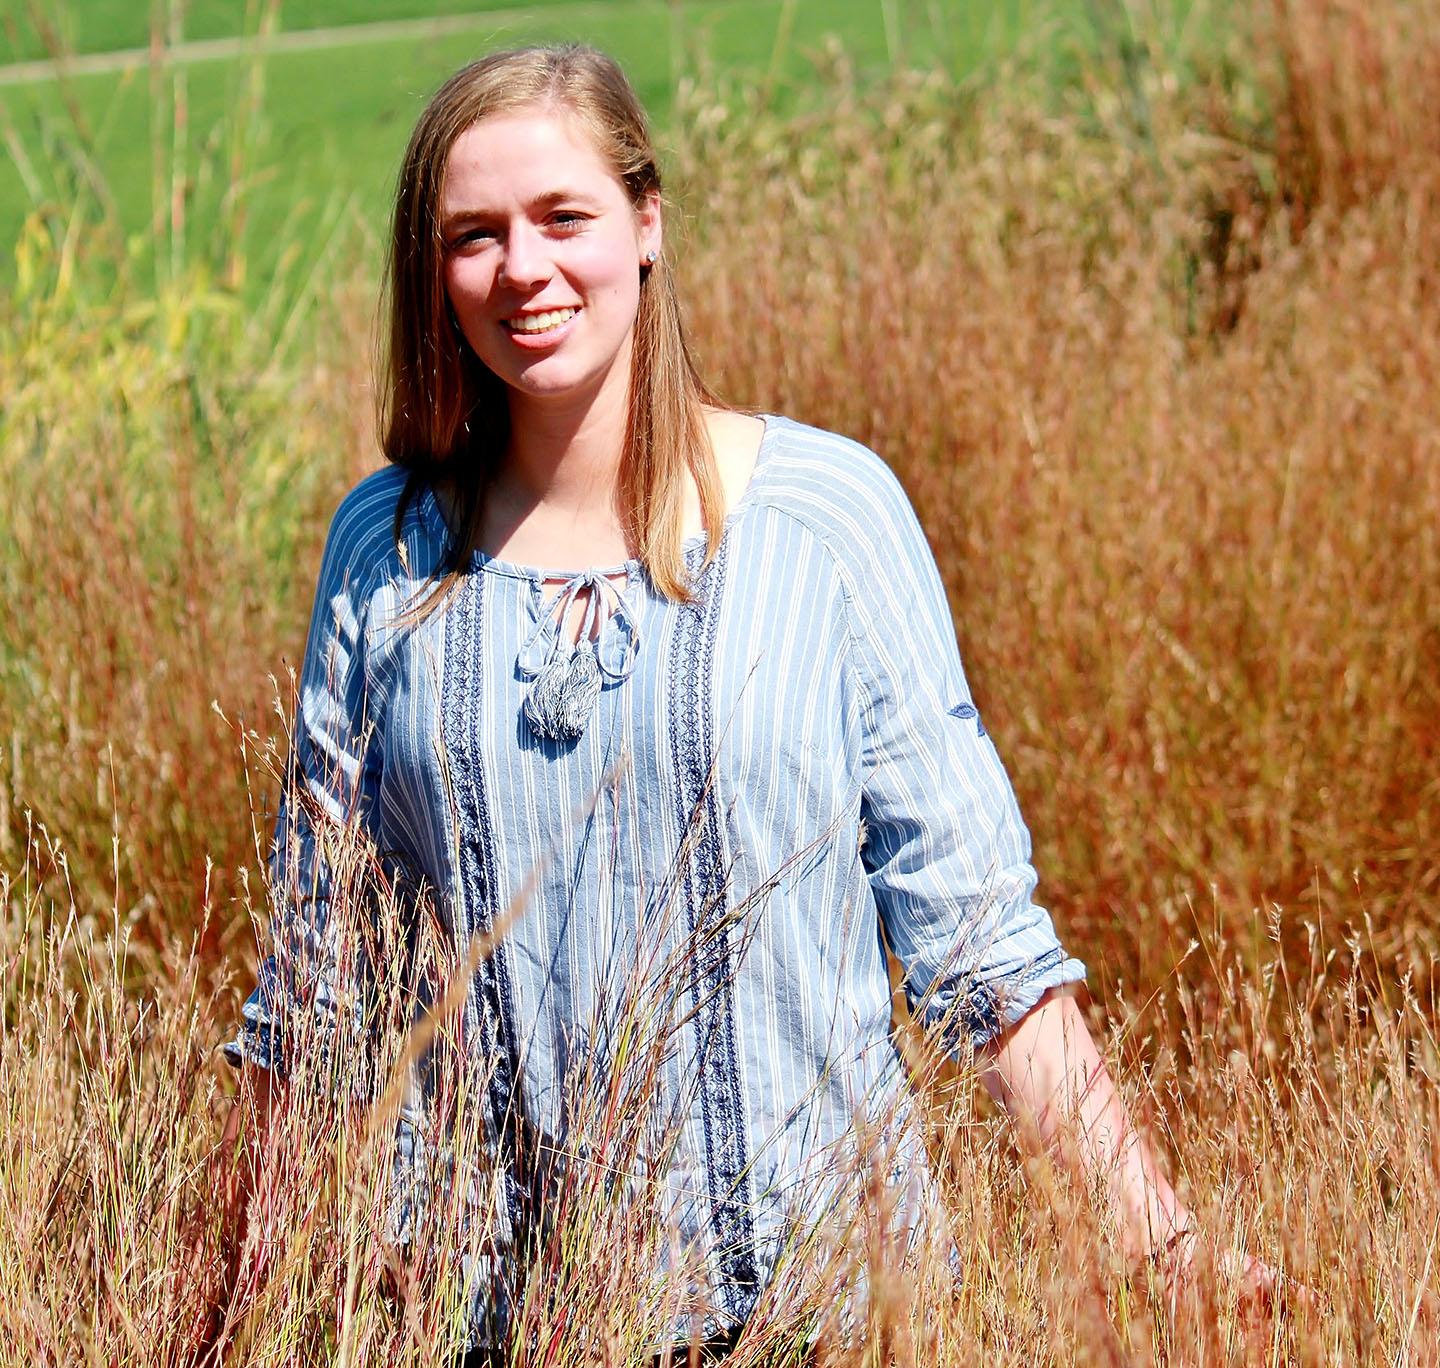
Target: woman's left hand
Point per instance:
(1262, 1290)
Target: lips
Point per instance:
(542, 321)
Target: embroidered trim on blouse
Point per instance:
(721, 1086)
(490, 1003)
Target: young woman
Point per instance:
(667, 675)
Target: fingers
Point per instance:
(1274, 1292)
(1262, 1291)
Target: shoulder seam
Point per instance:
(362, 578)
(847, 591)
(378, 534)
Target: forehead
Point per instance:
(524, 155)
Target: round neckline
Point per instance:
(631, 568)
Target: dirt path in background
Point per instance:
(349, 35)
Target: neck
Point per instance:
(565, 459)
(555, 499)
(567, 454)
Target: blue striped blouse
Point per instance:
(782, 778)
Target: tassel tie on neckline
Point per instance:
(566, 680)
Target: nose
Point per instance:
(526, 262)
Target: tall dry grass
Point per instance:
(1154, 356)
(1184, 496)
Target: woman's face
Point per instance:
(543, 252)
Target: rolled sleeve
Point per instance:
(315, 979)
(947, 852)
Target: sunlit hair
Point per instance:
(443, 413)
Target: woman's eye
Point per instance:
(471, 237)
(568, 220)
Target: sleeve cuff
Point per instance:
(970, 1013)
(257, 1041)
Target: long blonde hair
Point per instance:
(444, 415)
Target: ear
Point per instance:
(649, 225)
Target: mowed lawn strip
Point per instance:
(86, 26)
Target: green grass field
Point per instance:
(310, 136)
(98, 26)
(317, 133)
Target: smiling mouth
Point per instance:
(540, 322)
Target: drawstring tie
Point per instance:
(565, 683)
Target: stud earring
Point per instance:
(651, 257)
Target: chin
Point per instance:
(544, 381)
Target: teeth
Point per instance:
(540, 322)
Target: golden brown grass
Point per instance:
(1192, 568)
(1155, 359)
